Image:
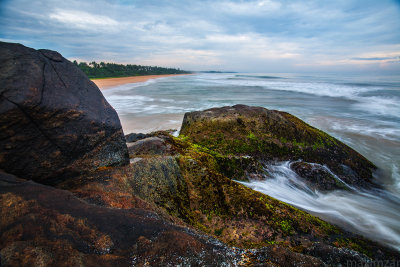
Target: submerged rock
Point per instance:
(269, 135)
(54, 121)
(318, 177)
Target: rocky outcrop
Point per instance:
(254, 134)
(54, 121)
(186, 183)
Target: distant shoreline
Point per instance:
(106, 83)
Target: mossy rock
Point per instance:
(270, 135)
(189, 185)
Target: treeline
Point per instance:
(107, 70)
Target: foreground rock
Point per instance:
(44, 226)
(54, 121)
(183, 180)
(245, 137)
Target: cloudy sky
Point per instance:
(253, 36)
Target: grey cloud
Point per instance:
(207, 34)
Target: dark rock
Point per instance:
(333, 255)
(270, 135)
(283, 257)
(54, 121)
(317, 176)
(150, 146)
(44, 226)
(133, 137)
(159, 180)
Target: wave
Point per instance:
(373, 214)
(379, 105)
(126, 104)
(312, 88)
(359, 84)
(379, 129)
(259, 76)
(129, 86)
(364, 95)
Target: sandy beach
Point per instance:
(111, 82)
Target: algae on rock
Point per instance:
(257, 135)
(192, 188)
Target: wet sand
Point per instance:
(111, 82)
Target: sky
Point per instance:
(247, 36)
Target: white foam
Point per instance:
(372, 214)
(378, 130)
(379, 105)
(128, 86)
(396, 177)
(315, 88)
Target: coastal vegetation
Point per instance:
(113, 70)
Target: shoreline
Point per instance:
(106, 83)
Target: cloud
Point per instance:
(248, 8)
(270, 35)
(83, 20)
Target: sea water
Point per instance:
(361, 111)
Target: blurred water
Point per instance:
(374, 214)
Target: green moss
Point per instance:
(286, 226)
(251, 136)
(299, 144)
(182, 137)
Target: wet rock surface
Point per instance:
(318, 177)
(270, 135)
(188, 185)
(54, 121)
(44, 226)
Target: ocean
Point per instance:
(361, 111)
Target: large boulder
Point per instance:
(54, 121)
(254, 135)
